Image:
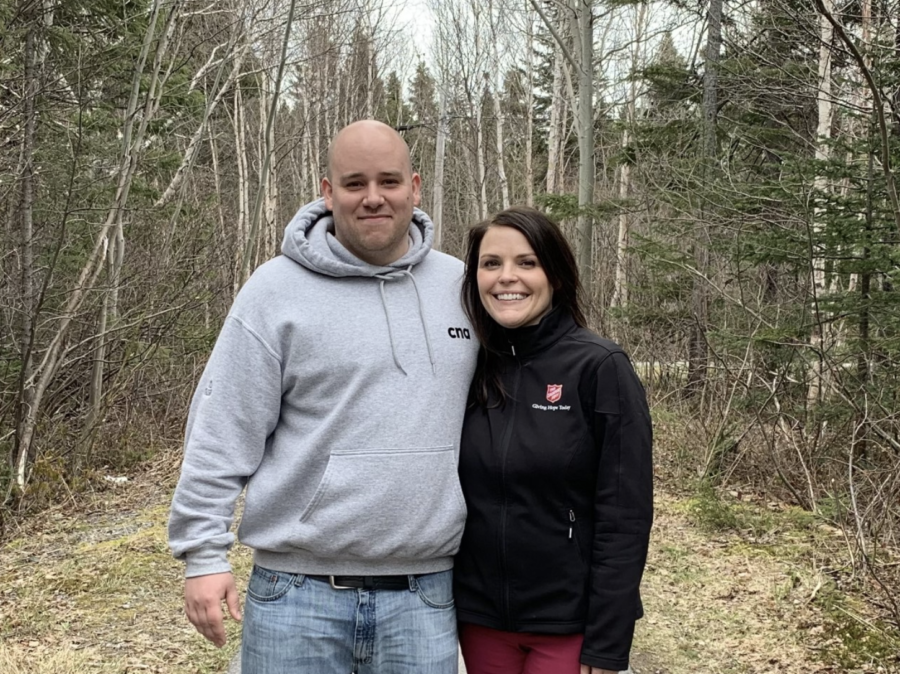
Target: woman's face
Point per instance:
(511, 282)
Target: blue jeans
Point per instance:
(296, 625)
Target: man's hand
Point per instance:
(203, 596)
(587, 669)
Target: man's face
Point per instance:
(371, 192)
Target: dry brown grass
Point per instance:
(93, 589)
(34, 658)
(756, 598)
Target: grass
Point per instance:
(851, 637)
(36, 659)
(739, 587)
(100, 593)
(731, 587)
(840, 627)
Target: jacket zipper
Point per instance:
(571, 522)
(504, 449)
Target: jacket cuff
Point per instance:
(206, 562)
(604, 661)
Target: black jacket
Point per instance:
(559, 488)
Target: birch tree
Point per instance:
(823, 138)
(581, 62)
(620, 283)
(108, 242)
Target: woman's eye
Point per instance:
(490, 264)
(529, 263)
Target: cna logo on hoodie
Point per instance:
(554, 395)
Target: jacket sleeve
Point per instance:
(623, 514)
(234, 410)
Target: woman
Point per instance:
(555, 465)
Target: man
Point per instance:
(335, 394)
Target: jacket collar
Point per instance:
(526, 341)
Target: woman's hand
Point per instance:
(587, 669)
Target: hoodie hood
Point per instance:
(309, 240)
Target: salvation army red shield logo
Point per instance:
(554, 392)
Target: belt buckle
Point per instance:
(335, 586)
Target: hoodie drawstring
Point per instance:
(391, 276)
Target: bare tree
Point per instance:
(109, 237)
(697, 348)
(582, 20)
(269, 143)
(823, 136)
(529, 98)
(620, 283)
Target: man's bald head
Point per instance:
(371, 191)
(355, 133)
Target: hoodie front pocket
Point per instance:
(385, 504)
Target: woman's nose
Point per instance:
(508, 274)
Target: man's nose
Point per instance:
(374, 199)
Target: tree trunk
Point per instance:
(586, 144)
(698, 352)
(620, 287)
(501, 166)
(582, 19)
(437, 204)
(863, 359)
(262, 143)
(557, 111)
(529, 108)
(817, 373)
(214, 154)
(25, 409)
(498, 112)
(243, 189)
(250, 249)
(370, 74)
(479, 160)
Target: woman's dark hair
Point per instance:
(558, 263)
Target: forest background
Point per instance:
(725, 171)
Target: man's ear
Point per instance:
(326, 193)
(417, 189)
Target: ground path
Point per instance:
(92, 588)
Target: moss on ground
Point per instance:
(851, 638)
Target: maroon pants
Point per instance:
(488, 651)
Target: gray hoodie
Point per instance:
(335, 394)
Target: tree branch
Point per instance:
(877, 104)
(556, 36)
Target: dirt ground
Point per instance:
(91, 587)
